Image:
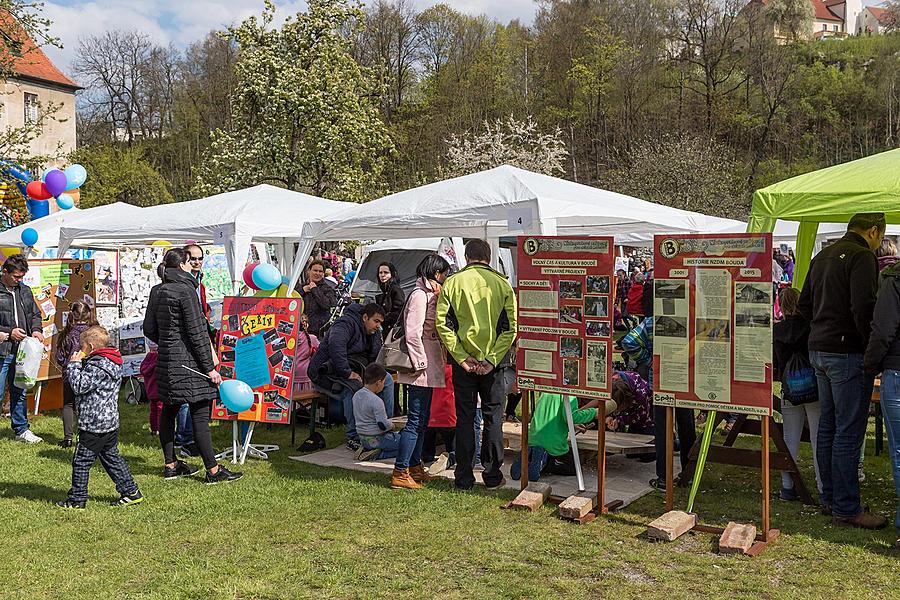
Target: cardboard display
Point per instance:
(257, 345)
(55, 284)
(712, 326)
(566, 287)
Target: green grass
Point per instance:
(289, 530)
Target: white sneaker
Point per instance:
(440, 464)
(29, 438)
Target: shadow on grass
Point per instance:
(36, 492)
(136, 464)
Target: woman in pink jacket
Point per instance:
(427, 356)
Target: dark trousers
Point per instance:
(467, 388)
(104, 446)
(200, 413)
(687, 435)
(512, 403)
(448, 437)
(68, 410)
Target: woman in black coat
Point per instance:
(391, 298)
(175, 322)
(318, 297)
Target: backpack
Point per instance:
(799, 385)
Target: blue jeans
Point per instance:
(388, 443)
(18, 404)
(418, 411)
(890, 407)
(537, 460)
(844, 395)
(184, 429)
(387, 394)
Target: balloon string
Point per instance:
(197, 372)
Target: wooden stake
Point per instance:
(765, 477)
(601, 457)
(670, 458)
(523, 451)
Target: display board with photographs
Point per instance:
(257, 346)
(564, 306)
(713, 310)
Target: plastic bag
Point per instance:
(28, 361)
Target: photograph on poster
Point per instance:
(571, 347)
(670, 326)
(713, 330)
(287, 365)
(595, 367)
(132, 346)
(229, 340)
(597, 284)
(596, 306)
(570, 314)
(753, 293)
(570, 290)
(747, 318)
(596, 329)
(666, 288)
(226, 372)
(570, 372)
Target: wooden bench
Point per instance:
(309, 398)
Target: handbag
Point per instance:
(799, 385)
(394, 353)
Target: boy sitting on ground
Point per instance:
(375, 429)
(95, 374)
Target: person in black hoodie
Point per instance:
(318, 298)
(185, 371)
(838, 299)
(350, 345)
(883, 356)
(790, 338)
(391, 298)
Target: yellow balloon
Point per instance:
(280, 292)
(7, 252)
(161, 244)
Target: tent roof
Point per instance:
(264, 213)
(48, 227)
(483, 204)
(835, 194)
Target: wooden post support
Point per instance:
(765, 479)
(601, 457)
(737, 537)
(523, 451)
(671, 525)
(532, 497)
(670, 458)
(576, 506)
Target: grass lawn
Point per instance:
(289, 530)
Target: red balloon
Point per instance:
(248, 276)
(37, 190)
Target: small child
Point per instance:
(375, 430)
(95, 374)
(307, 345)
(148, 372)
(80, 318)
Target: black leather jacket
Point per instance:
(29, 314)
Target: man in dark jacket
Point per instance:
(350, 345)
(838, 299)
(19, 318)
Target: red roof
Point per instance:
(823, 13)
(880, 14)
(32, 63)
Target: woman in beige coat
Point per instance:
(427, 356)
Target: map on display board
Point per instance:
(215, 273)
(565, 287)
(257, 345)
(56, 284)
(712, 326)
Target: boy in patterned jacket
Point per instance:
(95, 374)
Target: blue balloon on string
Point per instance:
(266, 276)
(29, 236)
(65, 202)
(236, 395)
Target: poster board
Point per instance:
(55, 284)
(257, 346)
(565, 293)
(712, 329)
(106, 276)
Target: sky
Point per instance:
(181, 22)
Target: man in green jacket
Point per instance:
(476, 320)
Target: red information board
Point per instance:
(565, 309)
(257, 346)
(712, 325)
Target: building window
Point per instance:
(824, 26)
(31, 108)
(834, 27)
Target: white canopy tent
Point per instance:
(504, 201)
(48, 227)
(263, 213)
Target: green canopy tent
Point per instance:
(831, 195)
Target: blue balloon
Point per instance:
(266, 277)
(29, 236)
(37, 208)
(236, 395)
(65, 202)
(76, 175)
(286, 280)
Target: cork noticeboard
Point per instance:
(55, 284)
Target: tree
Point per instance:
(891, 16)
(302, 109)
(507, 142)
(793, 18)
(119, 173)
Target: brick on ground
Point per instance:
(737, 537)
(577, 505)
(532, 497)
(671, 525)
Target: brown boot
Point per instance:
(419, 474)
(400, 479)
(864, 520)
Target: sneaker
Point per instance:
(440, 464)
(181, 469)
(497, 485)
(788, 495)
(353, 445)
(363, 455)
(658, 483)
(189, 451)
(221, 475)
(28, 437)
(860, 475)
(512, 419)
(478, 468)
(71, 504)
(66, 443)
(126, 500)
(863, 520)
